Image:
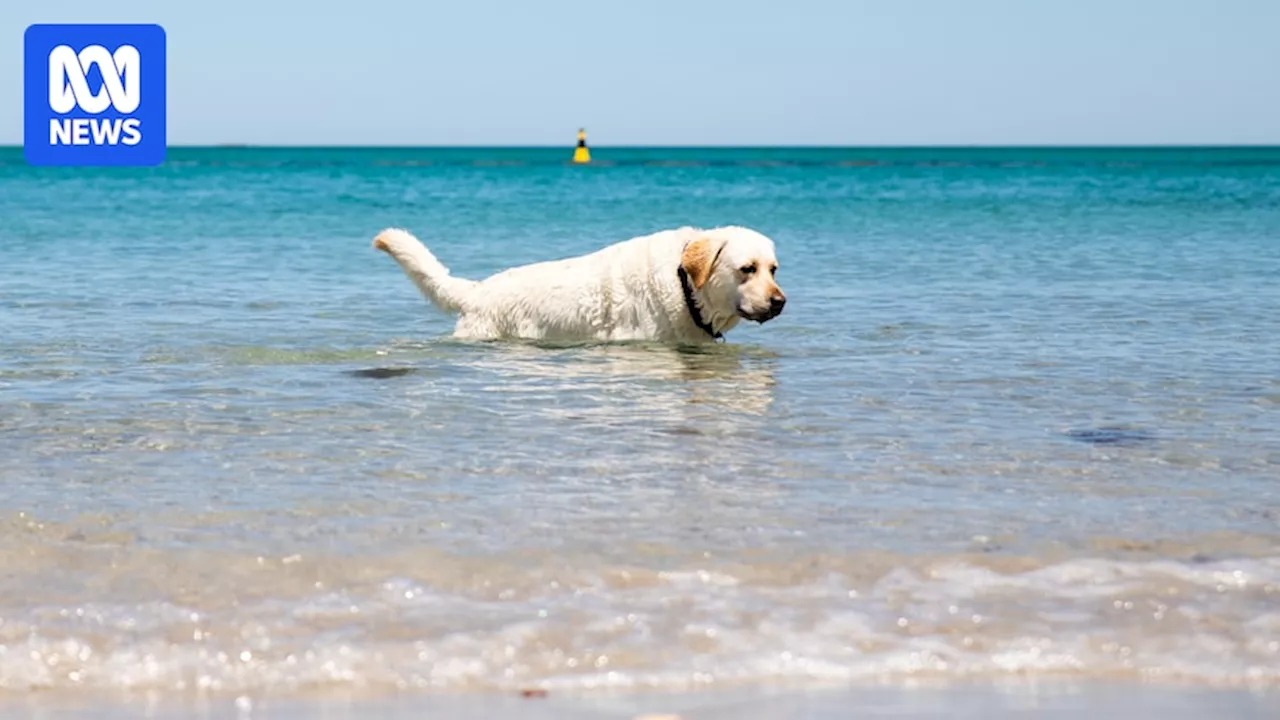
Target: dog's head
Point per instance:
(733, 270)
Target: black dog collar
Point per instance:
(691, 303)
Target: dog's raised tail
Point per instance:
(431, 277)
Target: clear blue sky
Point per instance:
(686, 72)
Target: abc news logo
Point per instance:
(94, 95)
(69, 89)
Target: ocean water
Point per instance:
(1020, 420)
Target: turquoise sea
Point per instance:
(1020, 420)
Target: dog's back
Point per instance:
(605, 295)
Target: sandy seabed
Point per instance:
(1094, 699)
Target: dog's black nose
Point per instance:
(776, 302)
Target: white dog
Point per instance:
(684, 286)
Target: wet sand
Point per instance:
(1041, 699)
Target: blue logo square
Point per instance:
(94, 95)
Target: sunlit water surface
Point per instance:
(1021, 417)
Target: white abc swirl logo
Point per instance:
(68, 86)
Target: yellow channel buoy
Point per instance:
(581, 154)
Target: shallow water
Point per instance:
(1018, 419)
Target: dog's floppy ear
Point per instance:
(699, 258)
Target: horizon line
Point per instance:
(683, 146)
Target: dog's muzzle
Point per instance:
(776, 303)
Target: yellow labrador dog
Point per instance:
(684, 286)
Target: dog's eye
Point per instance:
(773, 270)
(748, 269)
